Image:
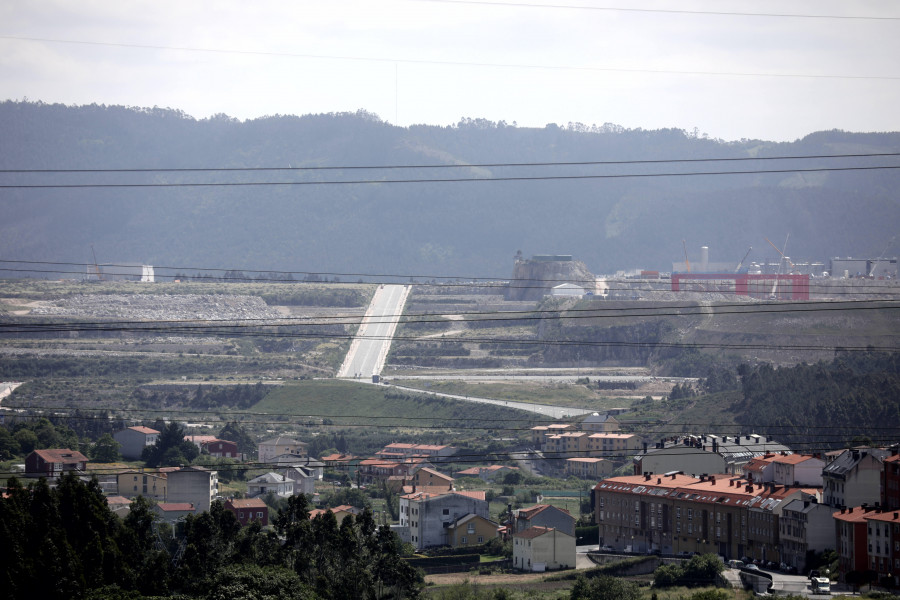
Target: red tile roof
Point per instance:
(533, 532)
(142, 429)
(174, 506)
(247, 503)
(61, 455)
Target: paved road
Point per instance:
(544, 410)
(373, 340)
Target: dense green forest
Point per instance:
(469, 228)
(826, 405)
(65, 543)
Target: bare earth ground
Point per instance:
(506, 579)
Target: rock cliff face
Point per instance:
(533, 279)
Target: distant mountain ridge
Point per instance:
(465, 228)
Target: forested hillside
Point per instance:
(466, 228)
(856, 396)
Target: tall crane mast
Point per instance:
(686, 261)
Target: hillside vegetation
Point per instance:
(470, 228)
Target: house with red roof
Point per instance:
(487, 473)
(248, 509)
(133, 440)
(798, 469)
(170, 512)
(52, 463)
(425, 517)
(851, 539)
(214, 446)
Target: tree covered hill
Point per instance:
(469, 228)
(823, 406)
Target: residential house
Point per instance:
(545, 515)
(543, 548)
(304, 479)
(883, 530)
(149, 484)
(853, 478)
(341, 462)
(426, 479)
(214, 446)
(589, 468)
(761, 469)
(270, 483)
(488, 473)
(248, 509)
(541, 432)
(805, 525)
(377, 470)
(763, 518)
(52, 463)
(614, 446)
(471, 530)
(195, 485)
(604, 423)
(340, 512)
(798, 469)
(890, 481)
(271, 448)
(707, 454)
(851, 540)
(133, 440)
(170, 512)
(315, 467)
(566, 445)
(409, 450)
(426, 516)
(119, 505)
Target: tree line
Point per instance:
(64, 542)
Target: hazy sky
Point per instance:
(732, 75)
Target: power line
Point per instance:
(365, 420)
(374, 59)
(240, 275)
(661, 11)
(436, 180)
(458, 165)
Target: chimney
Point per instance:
(712, 479)
(645, 447)
(843, 510)
(731, 483)
(646, 476)
(673, 476)
(897, 515)
(659, 480)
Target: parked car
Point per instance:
(607, 549)
(751, 567)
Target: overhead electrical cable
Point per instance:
(458, 165)
(422, 61)
(435, 180)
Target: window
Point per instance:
(465, 540)
(259, 515)
(446, 511)
(241, 515)
(480, 539)
(690, 514)
(471, 528)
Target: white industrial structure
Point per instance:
(147, 274)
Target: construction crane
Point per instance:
(686, 261)
(95, 266)
(877, 260)
(773, 296)
(741, 264)
(782, 253)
